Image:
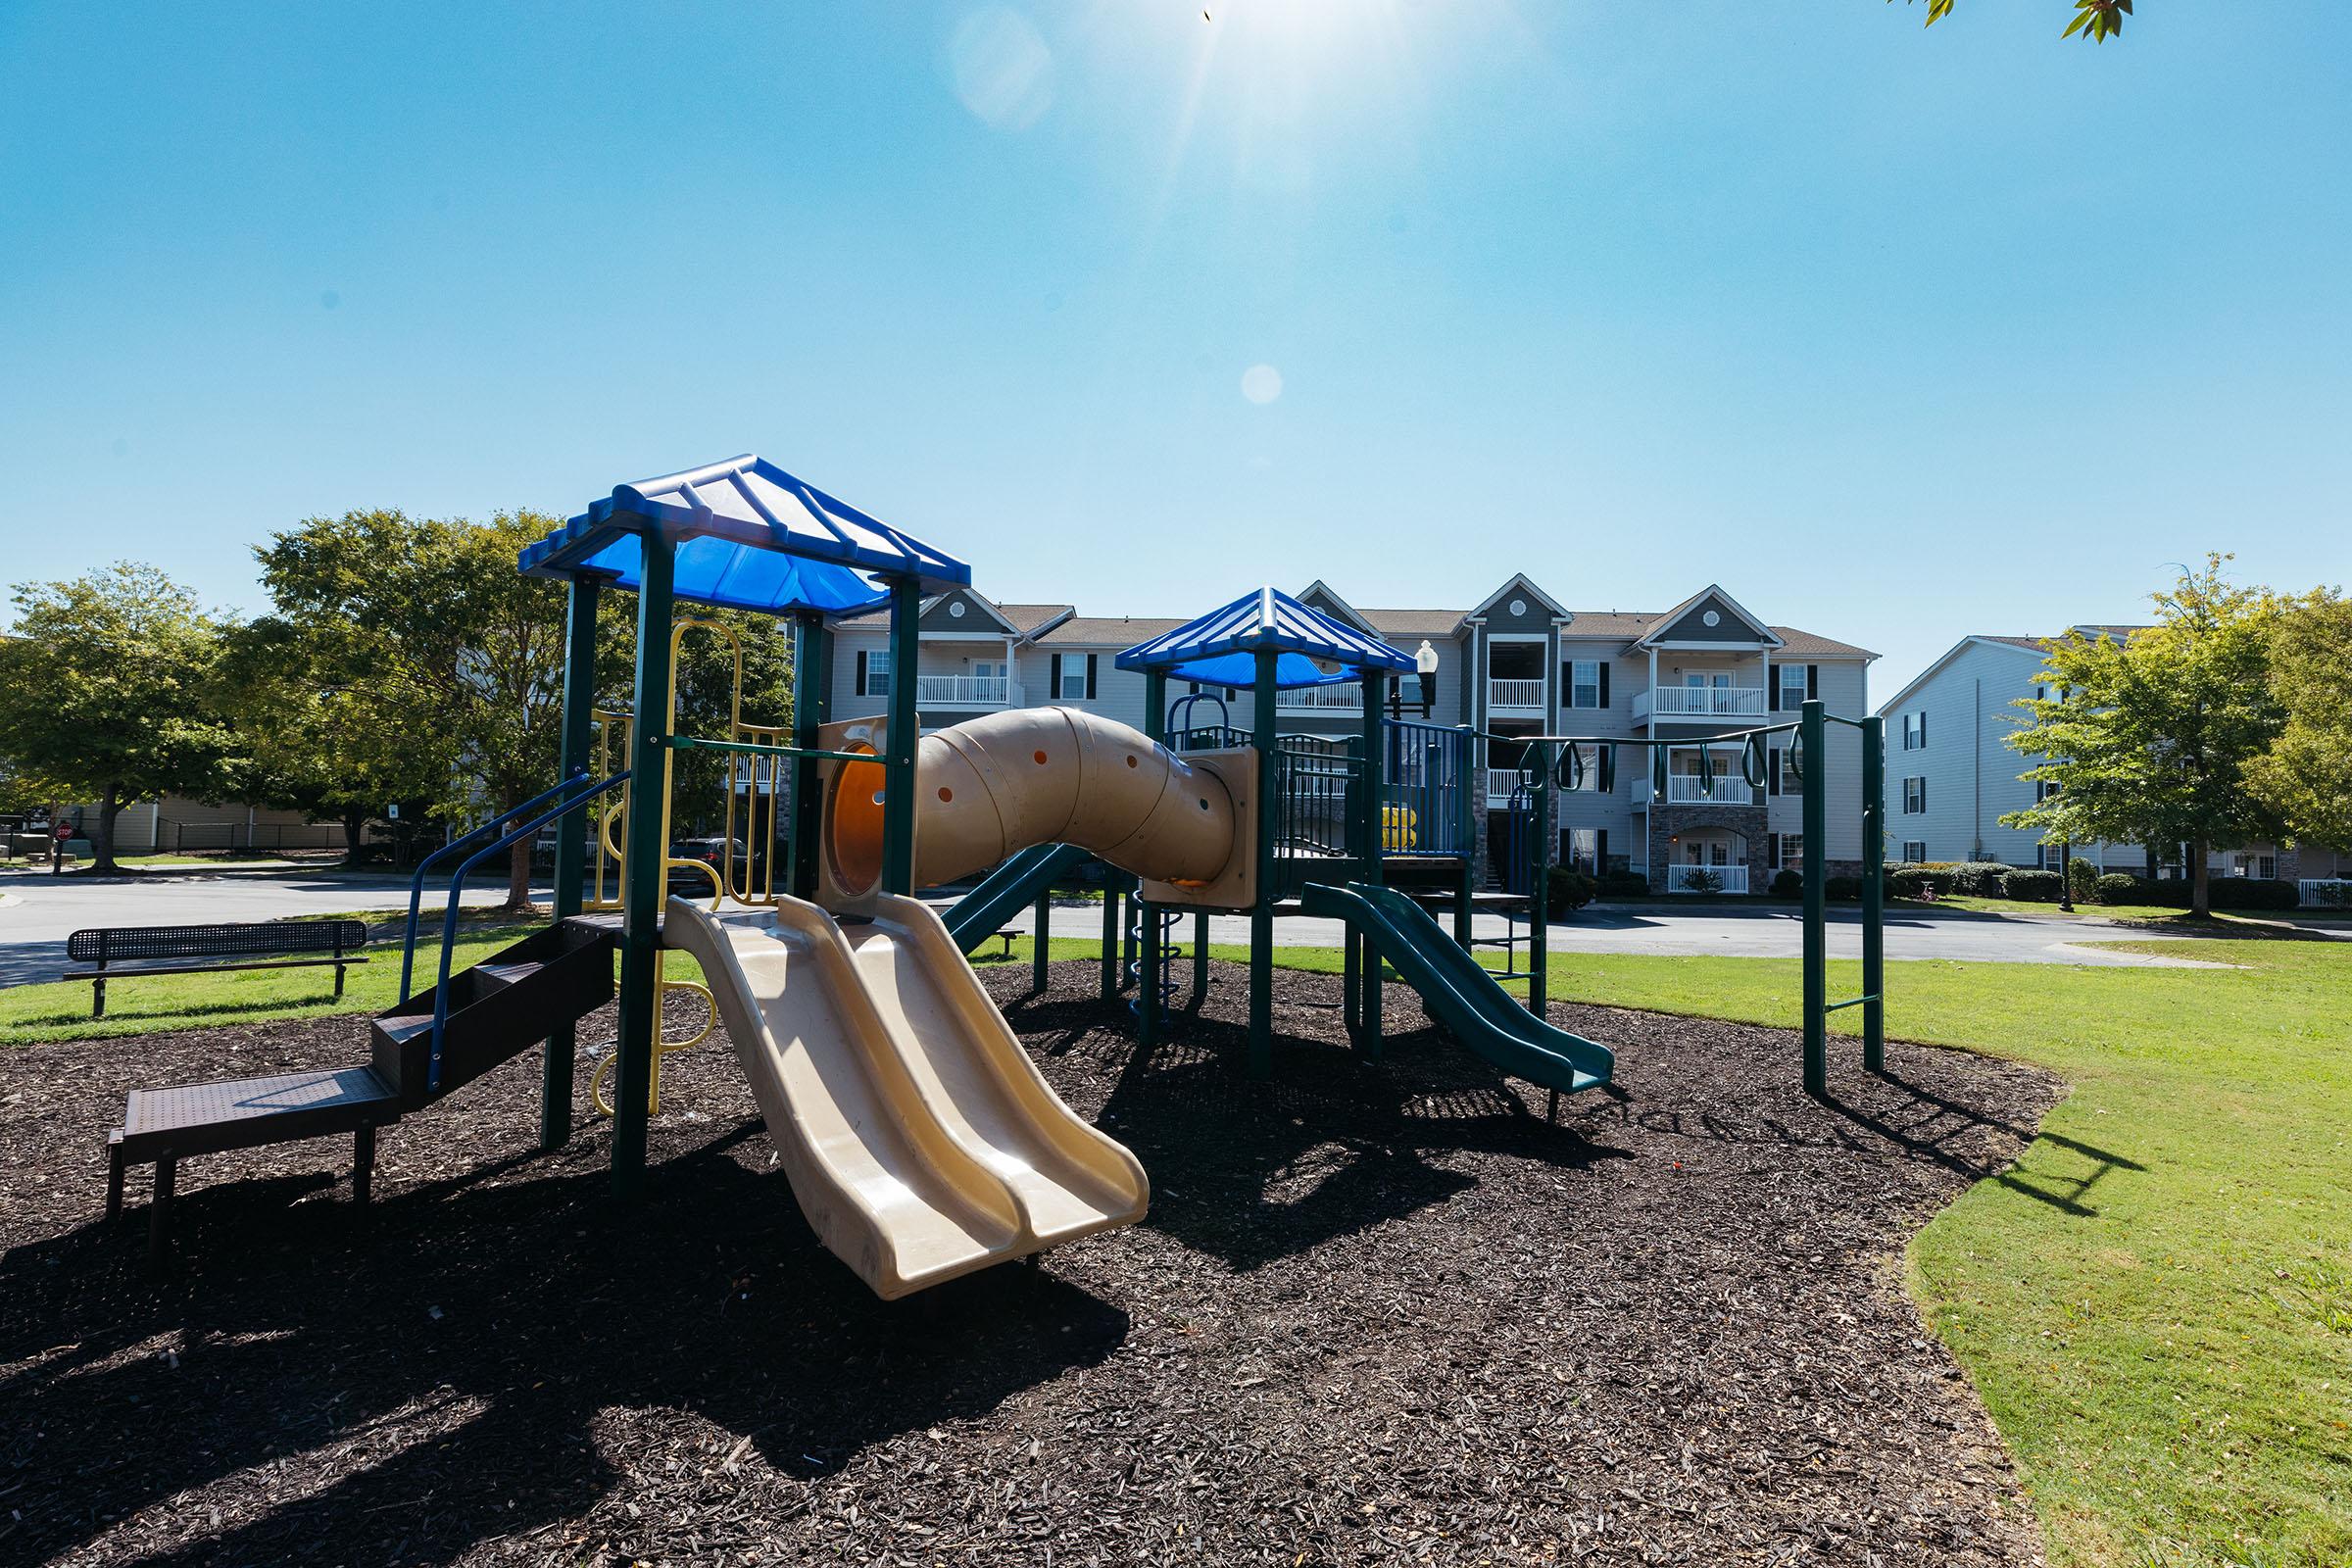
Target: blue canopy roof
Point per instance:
(1221, 648)
(749, 536)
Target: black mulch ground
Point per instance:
(1378, 1314)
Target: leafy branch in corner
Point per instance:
(2095, 19)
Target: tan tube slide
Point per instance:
(996, 785)
(918, 1137)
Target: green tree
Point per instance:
(2095, 19)
(2147, 739)
(2306, 778)
(105, 692)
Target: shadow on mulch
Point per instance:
(1378, 1311)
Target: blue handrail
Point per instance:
(456, 888)
(408, 948)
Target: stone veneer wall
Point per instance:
(1745, 820)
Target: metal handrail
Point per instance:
(408, 949)
(457, 889)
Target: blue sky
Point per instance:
(1898, 334)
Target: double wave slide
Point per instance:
(918, 1135)
(1459, 993)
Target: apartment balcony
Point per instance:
(966, 691)
(1688, 789)
(1344, 699)
(1500, 782)
(1521, 696)
(1698, 702)
(1706, 879)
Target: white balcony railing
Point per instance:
(1500, 781)
(1347, 699)
(1699, 702)
(966, 691)
(1688, 789)
(1502, 692)
(1706, 879)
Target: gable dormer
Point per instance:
(1317, 595)
(1519, 605)
(1708, 617)
(960, 611)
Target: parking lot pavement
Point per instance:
(43, 910)
(1733, 933)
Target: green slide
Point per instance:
(1459, 993)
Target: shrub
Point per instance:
(1978, 879)
(1566, 888)
(2119, 887)
(1788, 884)
(1625, 885)
(2029, 886)
(1913, 881)
(1842, 889)
(2082, 880)
(1698, 879)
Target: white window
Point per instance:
(1915, 851)
(1915, 732)
(1915, 796)
(877, 674)
(2054, 857)
(1584, 844)
(1073, 679)
(1792, 685)
(1588, 777)
(2266, 866)
(1583, 683)
(1793, 852)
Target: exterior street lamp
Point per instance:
(1425, 660)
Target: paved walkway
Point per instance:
(42, 911)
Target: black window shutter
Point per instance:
(1772, 693)
(1600, 845)
(861, 672)
(1772, 849)
(1812, 682)
(1090, 676)
(1054, 679)
(1772, 775)
(1604, 683)
(1923, 729)
(1609, 766)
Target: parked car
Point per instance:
(712, 853)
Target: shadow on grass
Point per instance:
(415, 1379)
(1933, 1126)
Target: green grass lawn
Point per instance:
(2156, 1304)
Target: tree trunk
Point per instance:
(519, 865)
(102, 844)
(355, 825)
(2200, 894)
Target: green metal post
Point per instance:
(1111, 932)
(571, 843)
(1151, 959)
(906, 732)
(1262, 912)
(1200, 959)
(643, 870)
(1874, 895)
(1041, 940)
(1373, 826)
(1810, 733)
(1465, 807)
(1539, 925)
(811, 705)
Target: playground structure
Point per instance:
(916, 1134)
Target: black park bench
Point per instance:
(204, 949)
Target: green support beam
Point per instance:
(571, 843)
(1111, 895)
(1372, 789)
(643, 870)
(1041, 940)
(1874, 895)
(1467, 775)
(1539, 836)
(1810, 734)
(1262, 911)
(1152, 959)
(905, 733)
(811, 705)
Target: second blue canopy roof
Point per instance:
(1221, 648)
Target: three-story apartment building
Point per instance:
(1952, 774)
(1518, 662)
